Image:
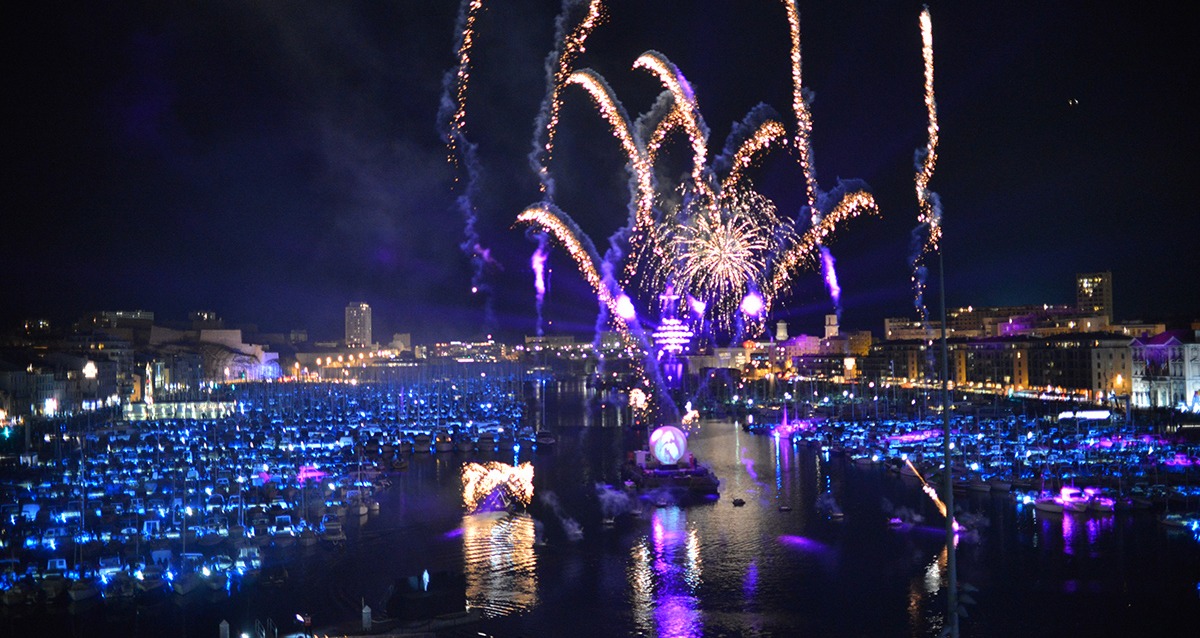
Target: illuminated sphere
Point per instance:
(668, 444)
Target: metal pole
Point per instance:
(951, 558)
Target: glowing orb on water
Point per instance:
(668, 444)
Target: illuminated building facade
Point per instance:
(1094, 293)
(1112, 368)
(1166, 370)
(358, 325)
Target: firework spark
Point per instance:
(929, 214)
(468, 13)
(802, 253)
(721, 253)
(559, 64)
(800, 108)
(930, 491)
(766, 135)
(689, 113)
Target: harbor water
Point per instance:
(587, 559)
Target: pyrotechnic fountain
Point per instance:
(490, 485)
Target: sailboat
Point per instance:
(83, 586)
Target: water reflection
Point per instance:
(1083, 533)
(500, 563)
(664, 576)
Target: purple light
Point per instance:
(625, 308)
(697, 305)
(800, 542)
(788, 429)
(753, 304)
(750, 582)
(307, 473)
(831, 282)
(675, 568)
(1180, 460)
(538, 262)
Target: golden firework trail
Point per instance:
(930, 492)
(462, 77)
(581, 249)
(767, 134)
(803, 253)
(928, 213)
(689, 113)
(613, 113)
(573, 46)
(800, 108)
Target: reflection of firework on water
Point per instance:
(500, 564)
(480, 481)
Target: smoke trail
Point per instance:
(538, 262)
(613, 502)
(740, 134)
(570, 526)
(451, 119)
(827, 504)
(558, 66)
(831, 282)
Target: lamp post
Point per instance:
(951, 553)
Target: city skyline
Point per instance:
(297, 164)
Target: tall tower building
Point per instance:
(1093, 293)
(831, 326)
(358, 324)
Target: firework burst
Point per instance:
(720, 253)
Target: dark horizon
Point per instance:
(272, 163)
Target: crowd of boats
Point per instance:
(141, 511)
(1068, 465)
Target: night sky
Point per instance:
(272, 161)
